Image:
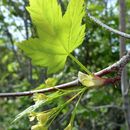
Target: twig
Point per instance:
(108, 27)
(30, 93)
(118, 65)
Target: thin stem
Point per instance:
(108, 27)
(80, 64)
(63, 105)
(74, 111)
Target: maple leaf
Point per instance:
(58, 35)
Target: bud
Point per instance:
(90, 80)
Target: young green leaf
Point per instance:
(90, 80)
(58, 35)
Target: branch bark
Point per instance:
(118, 66)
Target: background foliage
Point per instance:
(99, 109)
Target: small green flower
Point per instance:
(69, 127)
(39, 127)
(42, 117)
(38, 97)
(50, 82)
(32, 116)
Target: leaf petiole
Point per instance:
(80, 64)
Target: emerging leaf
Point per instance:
(90, 80)
(58, 35)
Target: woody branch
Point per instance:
(116, 67)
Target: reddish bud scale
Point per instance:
(111, 80)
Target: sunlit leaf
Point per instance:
(58, 35)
